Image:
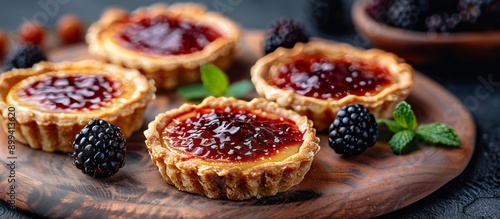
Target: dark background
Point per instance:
(473, 194)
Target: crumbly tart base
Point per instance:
(168, 72)
(192, 174)
(323, 111)
(55, 132)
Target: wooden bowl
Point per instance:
(424, 48)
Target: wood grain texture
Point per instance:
(371, 184)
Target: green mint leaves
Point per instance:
(400, 140)
(405, 129)
(404, 116)
(239, 88)
(438, 133)
(214, 79)
(215, 83)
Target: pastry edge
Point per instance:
(323, 112)
(168, 72)
(231, 183)
(50, 133)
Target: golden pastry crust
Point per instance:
(324, 111)
(168, 71)
(234, 181)
(55, 131)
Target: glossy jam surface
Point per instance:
(230, 134)
(319, 77)
(161, 35)
(71, 93)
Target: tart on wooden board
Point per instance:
(167, 43)
(229, 148)
(216, 171)
(318, 78)
(331, 181)
(52, 102)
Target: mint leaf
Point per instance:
(404, 116)
(438, 133)
(390, 124)
(215, 83)
(193, 92)
(214, 79)
(405, 128)
(239, 88)
(400, 140)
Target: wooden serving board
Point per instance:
(371, 184)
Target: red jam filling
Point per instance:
(166, 36)
(71, 93)
(319, 77)
(229, 134)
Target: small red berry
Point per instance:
(70, 28)
(4, 43)
(32, 32)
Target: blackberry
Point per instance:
(472, 15)
(329, 15)
(470, 10)
(442, 23)
(406, 14)
(25, 56)
(284, 32)
(353, 130)
(99, 149)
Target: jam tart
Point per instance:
(47, 105)
(232, 149)
(318, 78)
(167, 43)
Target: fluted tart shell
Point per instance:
(40, 128)
(168, 71)
(231, 180)
(323, 111)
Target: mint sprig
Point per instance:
(390, 124)
(214, 83)
(406, 129)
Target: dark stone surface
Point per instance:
(473, 194)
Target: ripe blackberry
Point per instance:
(471, 15)
(284, 32)
(442, 23)
(99, 149)
(470, 10)
(329, 15)
(25, 56)
(353, 130)
(407, 13)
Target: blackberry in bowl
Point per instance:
(424, 31)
